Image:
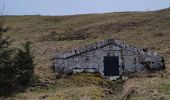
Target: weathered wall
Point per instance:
(91, 57)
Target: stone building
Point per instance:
(109, 58)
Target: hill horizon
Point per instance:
(131, 11)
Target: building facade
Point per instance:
(109, 58)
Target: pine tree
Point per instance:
(24, 64)
(7, 73)
(16, 65)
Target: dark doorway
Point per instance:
(111, 66)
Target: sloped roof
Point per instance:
(86, 48)
(101, 44)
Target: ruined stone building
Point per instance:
(109, 58)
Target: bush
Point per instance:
(16, 65)
(24, 63)
(7, 70)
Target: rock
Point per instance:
(124, 78)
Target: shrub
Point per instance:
(7, 70)
(24, 64)
(16, 65)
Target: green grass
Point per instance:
(164, 88)
(73, 87)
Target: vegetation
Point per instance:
(54, 34)
(16, 65)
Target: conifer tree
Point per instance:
(16, 65)
(24, 64)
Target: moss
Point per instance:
(162, 98)
(95, 93)
(139, 33)
(136, 98)
(164, 88)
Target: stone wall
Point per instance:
(90, 58)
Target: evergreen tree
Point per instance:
(24, 64)
(16, 65)
(7, 70)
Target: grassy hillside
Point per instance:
(54, 34)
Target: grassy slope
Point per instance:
(53, 34)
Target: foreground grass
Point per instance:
(154, 88)
(73, 87)
(94, 87)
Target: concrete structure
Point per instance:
(109, 58)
